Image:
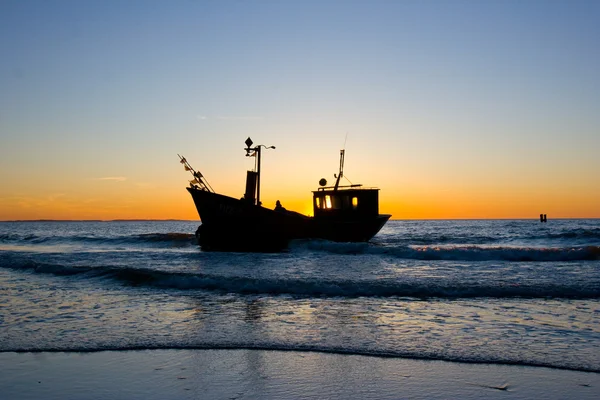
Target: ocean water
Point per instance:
(490, 291)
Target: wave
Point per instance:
(499, 360)
(426, 239)
(580, 233)
(459, 252)
(420, 288)
(172, 238)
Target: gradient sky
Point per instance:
(454, 109)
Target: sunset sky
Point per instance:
(454, 109)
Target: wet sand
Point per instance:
(260, 374)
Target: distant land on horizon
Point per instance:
(98, 220)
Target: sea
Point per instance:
(516, 292)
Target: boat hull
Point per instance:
(355, 230)
(230, 224)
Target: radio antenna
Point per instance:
(341, 172)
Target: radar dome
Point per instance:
(323, 182)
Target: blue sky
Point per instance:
(489, 97)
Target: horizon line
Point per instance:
(194, 220)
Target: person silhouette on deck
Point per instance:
(278, 206)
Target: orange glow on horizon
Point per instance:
(167, 199)
(164, 204)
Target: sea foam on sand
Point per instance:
(261, 374)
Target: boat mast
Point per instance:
(341, 173)
(255, 152)
(258, 176)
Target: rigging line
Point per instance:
(202, 181)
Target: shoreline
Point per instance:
(275, 374)
(408, 357)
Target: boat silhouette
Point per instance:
(341, 213)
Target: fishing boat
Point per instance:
(341, 213)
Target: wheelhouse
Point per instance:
(351, 202)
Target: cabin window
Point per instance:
(354, 203)
(345, 202)
(318, 202)
(328, 201)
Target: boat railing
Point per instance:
(340, 187)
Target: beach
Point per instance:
(261, 374)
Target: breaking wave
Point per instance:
(417, 288)
(458, 252)
(497, 359)
(172, 238)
